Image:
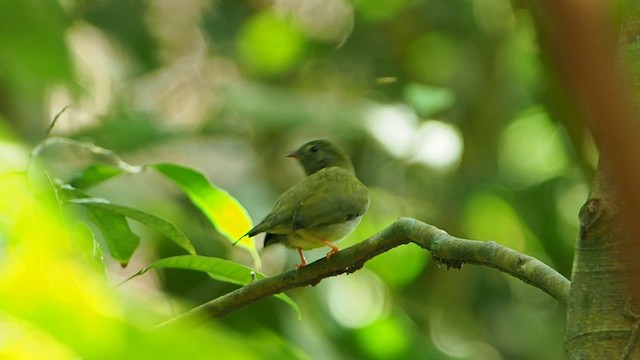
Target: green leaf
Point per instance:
(223, 210)
(121, 240)
(162, 225)
(219, 269)
(89, 247)
(94, 175)
(33, 51)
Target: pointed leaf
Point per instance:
(219, 269)
(223, 210)
(94, 175)
(162, 225)
(122, 242)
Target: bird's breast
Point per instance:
(313, 237)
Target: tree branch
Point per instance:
(445, 248)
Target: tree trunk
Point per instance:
(600, 321)
(603, 317)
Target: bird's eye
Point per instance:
(313, 149)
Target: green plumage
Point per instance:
(326, 206)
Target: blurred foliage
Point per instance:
(446, 107)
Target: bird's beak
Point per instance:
(293, 154)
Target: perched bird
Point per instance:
(324, 207)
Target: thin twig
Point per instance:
(102, 154)
(55, 119)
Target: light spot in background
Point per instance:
(23, 340)
(568, 203)
(270, 44)
(438, 145)
(393, 127)
(590, 149)
(532, 149)
(446, 339)
(413, 260)
(12, 157)
(325, 20)
(433, 58)
(96, 62)
(356, 300)
(428, 100)
(435, 144)
(380, 10)
(386, 338)
(494, 17)
(488, 217)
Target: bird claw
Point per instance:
(302, 259)
(334, 249)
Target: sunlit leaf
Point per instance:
(219, 269)
(163, 226)
(56, 306)
(224, 211)
(93, 175)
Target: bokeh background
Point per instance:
(447, 108)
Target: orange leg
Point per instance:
(302, 259)
(334, 249)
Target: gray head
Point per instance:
(319, 154)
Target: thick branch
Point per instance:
(445, 248)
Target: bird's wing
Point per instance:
(329, 196)
(280, 219)
(335, 196)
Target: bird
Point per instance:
(326, 206)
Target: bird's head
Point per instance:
(319, 154)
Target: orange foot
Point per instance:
(302, 259)
(334, 249)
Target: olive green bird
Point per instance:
(324, 207)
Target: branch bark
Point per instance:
(445, 248)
